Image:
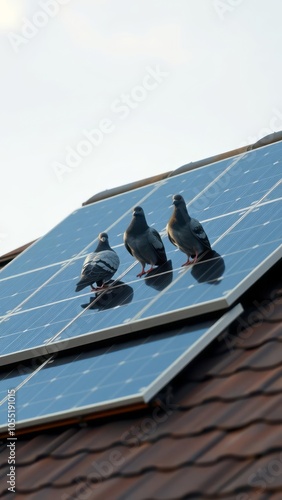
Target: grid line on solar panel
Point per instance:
(22, 380)
(216, 227)
(216, 179)
(114, 375)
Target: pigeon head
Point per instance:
(178, 200)
(138, 221)
(103, 237)
(180, 208)
(103, 242)
(138, 212)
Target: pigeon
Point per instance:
(144, 242)
(185, 232)
(99, 266)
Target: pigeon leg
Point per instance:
(195, 258)
(149, 270)
(142, 272)
(187, 263)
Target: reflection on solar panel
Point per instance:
(238, 200)
(116, 375)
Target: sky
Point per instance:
(99, 93)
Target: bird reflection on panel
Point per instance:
(209, 268)
(118, 294)
(160, 277)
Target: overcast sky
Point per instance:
(99, 93)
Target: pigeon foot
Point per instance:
(149, 270)
(142, 273)
(190, 262)
(187, 263)
(99, 288)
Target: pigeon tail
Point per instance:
(83, 283)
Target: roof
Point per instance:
(214, 432)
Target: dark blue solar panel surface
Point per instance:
(118, 374)
(238, 202)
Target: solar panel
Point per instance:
(115, 375)
(238, 200)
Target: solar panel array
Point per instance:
(107, 377)
(238, 201)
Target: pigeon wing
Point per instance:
(199, 233)
(98, 268)
(125, 240)
(170, 236)
(156, 242)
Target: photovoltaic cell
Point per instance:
(23, 287)
(116, 375)
(237, 200)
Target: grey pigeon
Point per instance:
(144, 242)
(99, 266)
(185, 232)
